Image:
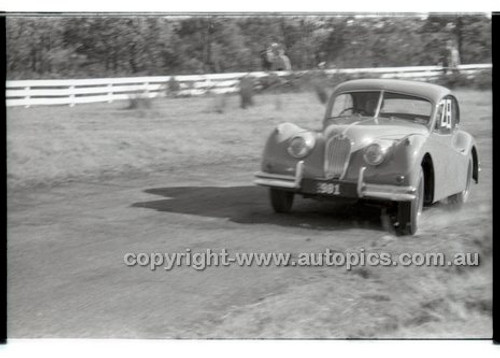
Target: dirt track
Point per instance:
(66, 241)
(67, 277)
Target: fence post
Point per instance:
(146, 89)
(110, 93)
(209, 85)
(27, 98)
(72, 96)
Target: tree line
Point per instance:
(114, 46)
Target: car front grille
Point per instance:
(337, 153)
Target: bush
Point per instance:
(481, 80)
(139, 100)
(246, 92)
(312, 81)
(173, 86)
(453, 80)
(220, 102)
(272, 82)
(320, 90)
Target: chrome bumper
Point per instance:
(281, 181)
(384, 191)
(364, 190)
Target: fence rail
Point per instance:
(75, 91)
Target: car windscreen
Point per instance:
(396, 105)
(355, 103)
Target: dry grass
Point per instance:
(47, 145)
(425, 303)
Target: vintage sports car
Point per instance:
(393, 142)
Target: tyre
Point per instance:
(409, 212)
(281, 200)
(459, 199)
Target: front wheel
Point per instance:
(409, 212)
(281, 200)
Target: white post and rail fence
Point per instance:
(70, 92)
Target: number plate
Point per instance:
(328, 188)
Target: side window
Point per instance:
(446, 115)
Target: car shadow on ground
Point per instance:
(250, 205)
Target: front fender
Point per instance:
(277, 160)
(400, 166)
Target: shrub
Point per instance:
(139, 100)
(453, 80)
(173, 86)
(272, 82)
(246, 92)
(483, 80)
(220, 102)
(320, 89)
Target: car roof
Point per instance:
(420, 89)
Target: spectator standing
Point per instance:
(453, 55)
(274, 59)
(282, 61)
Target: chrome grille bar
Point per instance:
(337, 153)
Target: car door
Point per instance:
(448, 157)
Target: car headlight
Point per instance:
(301, 145)
(376, 152)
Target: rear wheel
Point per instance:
(281, 200)
(409, 212)
(460, 198)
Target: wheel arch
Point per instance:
(475, 164)
(428, 169)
